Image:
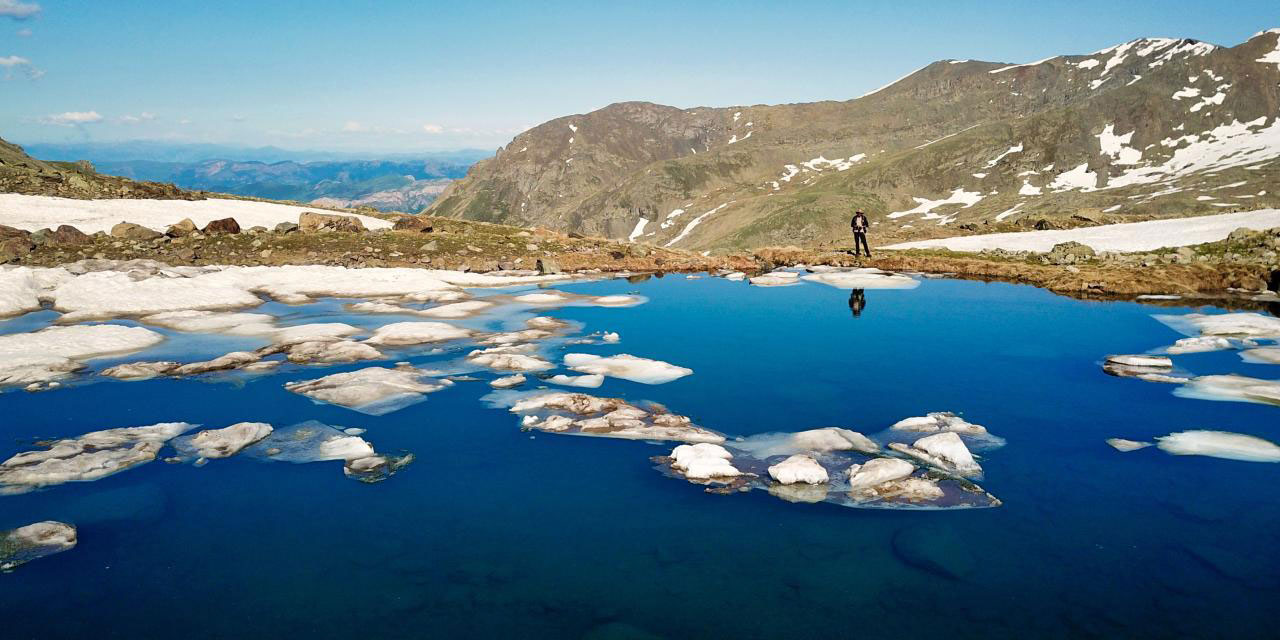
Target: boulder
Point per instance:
(547, 266)
(13, 248)
(67, 235)
(1069, 253)
(11, 232)
(312, 221)
(286, 227)
(131, 231)
(184, 228)
(414, 224)
(224, 226)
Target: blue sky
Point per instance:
(405, 75)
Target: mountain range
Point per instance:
(1156, 127)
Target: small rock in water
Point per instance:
(24, 544)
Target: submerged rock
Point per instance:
(373, 390)
(1220, 444)
(89, 457)
(627, 367)
(935, 549)
(34, 541)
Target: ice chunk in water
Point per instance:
(222, 443)
(512, 358)
(627, 367)
(1261, 355)
(585, 381)
(89, 457)
(373, 390)
(878, 471)
(1198, 344)
(410, 333)
(862, 279)
(945, 451)
(1231, 388)
(776, 279)
(703, 461)
(766, 445)
(1156, 362)
(24, 544)
(799, 468)
(582, 414)
(51, 353)
(1238, 325)
(508, 382)
(1220, 444)
(311, 441)
(1120, 444)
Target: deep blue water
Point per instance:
(494, 531)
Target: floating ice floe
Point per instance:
(827, 439)
(1232, 388)
(589, 381)
(579, 413)
(89, 457)
(1220, 444)
(1199, 344)
(19, 291)
(372, 390)
(1261, 355)
(413, 333)
(1120, 444)
(975, 436)
(34, 541)
(39, 358)
(555, 298)
(511, 358)
(1143, 367)
(826, 465)
(313, 441)
(610, 337)
(545, 323)
(735, 276)
(1231, 325)
(195, 321)
(507, 382)
(627, 367)
(221, 443)
(703, 461)
(863, 279)
(944, 451)
(799, 468)
(515, 337)
(775, 279)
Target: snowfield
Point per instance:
(1132, 236)
(38, 212)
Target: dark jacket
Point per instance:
(859, 222)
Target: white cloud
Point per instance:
(185, 121)
(432, 128)
(145, 116)
(354, 127)
(24, 33)
(18, 10)
(71, 118)
(14, 63)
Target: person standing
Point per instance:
(859, 225)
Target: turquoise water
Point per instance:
(494, 531)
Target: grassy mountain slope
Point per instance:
(1150, 128)
(20, 173)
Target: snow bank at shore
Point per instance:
(1131, 236)
(90, 216)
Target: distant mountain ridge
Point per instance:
(405, 185)
(1155, 127)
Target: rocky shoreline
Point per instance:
(1241, 270)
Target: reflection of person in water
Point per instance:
(857, 300)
